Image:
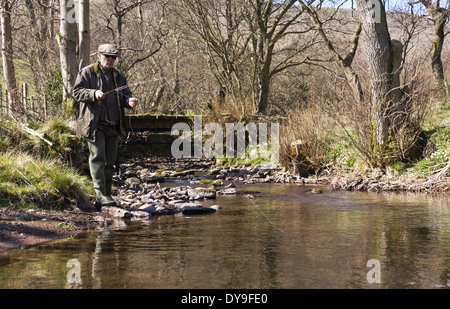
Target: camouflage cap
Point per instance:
(108, 50)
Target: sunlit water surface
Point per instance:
(284, 238)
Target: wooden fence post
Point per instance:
(24, 97)
(1, 100)
(45, 106)
(7, 102)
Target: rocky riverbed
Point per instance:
(145, 190)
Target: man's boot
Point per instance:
(108, 198)
(103, 200)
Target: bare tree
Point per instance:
(411, 24)
(68, 43)
(439, 14)
(271, 23)
(220, 26)
(345, 63)
(84, 37)
(35, 42)
(7, 48)
(147, 28)
(258, 33)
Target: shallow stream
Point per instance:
(285, 238)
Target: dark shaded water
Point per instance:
(327, 242)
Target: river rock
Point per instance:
(316, 191)
(165, 210)
(101, 219)
(140, 214)
(198, 193)
(133, 181)
(150, 208)
(194, 209)
(173, 202)
(137, 204)
(216, 207)
(116, 212)
(154, 178)
(182, 173)
(180, 206)
(230, 191)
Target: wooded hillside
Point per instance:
(376, 73)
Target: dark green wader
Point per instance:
(103, 154)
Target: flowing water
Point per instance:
(284, 238)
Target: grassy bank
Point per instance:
(37, 166)
(29, 182)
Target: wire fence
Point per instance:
(18, 104)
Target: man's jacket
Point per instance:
(88, 81)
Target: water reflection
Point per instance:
(328, 241)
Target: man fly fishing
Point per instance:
(103, 94)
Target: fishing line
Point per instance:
(257, 207)
(130, 134)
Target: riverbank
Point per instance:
(21, 228)
(166, 187)
(141, 193)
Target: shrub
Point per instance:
(52, 89)
(312, 132)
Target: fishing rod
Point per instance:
(135, 84)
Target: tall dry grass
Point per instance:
(306, 136)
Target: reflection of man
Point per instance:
(101, 118)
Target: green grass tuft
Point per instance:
(46, 184)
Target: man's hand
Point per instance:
(99, 95)
(133, 102)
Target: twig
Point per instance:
(5, 131)
(40, 135)
(439, 174)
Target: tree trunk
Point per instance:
(7, 47)
(264, 81)
(382, 70)
(68, 41)
(439, 15)
(442, 89)
(84, 34)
